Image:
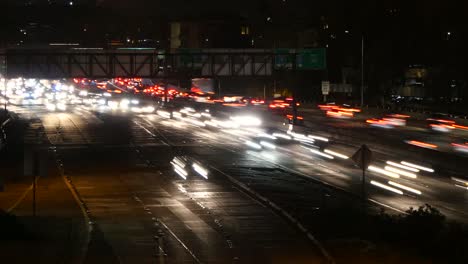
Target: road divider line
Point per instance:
(180, 241)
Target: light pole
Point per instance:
(362, 71)
(5, 94)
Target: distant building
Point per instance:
(214, 33)
(51, 2)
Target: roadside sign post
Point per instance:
(325, 90)
(363, 158)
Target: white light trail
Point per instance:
(200, 170)
(267, 145)
(211, 123)
(401, 172)
(402, 166)
(406, 188)
(417, 166)
(386, 187)
(253, 145)
(384, 172)
(181, 172)
(460, 180)
(321, 154)
(178, 162)
(178, 169)
(336, 154)
(318, 138)
(280, 135)
(163, 113)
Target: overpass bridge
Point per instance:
(212, 63)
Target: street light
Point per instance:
(362, 71)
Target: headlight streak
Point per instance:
(402, 166)
(386, 187)
(267, 145)
(401, 172)
(406, 188)
(321, 154)
(417, 166)
(336, 154)
(384, 172)
(200, 170)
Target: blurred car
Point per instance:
(389, 121)
(253, 101)
(290, 119)
(441, 122)
(338, 113)
(282, 103)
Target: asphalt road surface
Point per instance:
(120, 166)
(146, 211)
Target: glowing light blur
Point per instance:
(164, 114)
(265, 135)
(181, 172)
(253, 145)
(50, 107)
(404, 187)
(247, 120)
(179, 166)
(321, 154)
(417, 166)
(421, 144)
(281, 135)
(267, 145)
(441, 127)
(211, 123)
(460, 147)
(384, 172)
(318, 138)
(401, 172)
(402, 166)
(336, 154)
(386, 187)
(465, 182)
(200, 170)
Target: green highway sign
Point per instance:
(306, 59)
(283, 58)
(311, 59)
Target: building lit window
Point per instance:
(245, 30)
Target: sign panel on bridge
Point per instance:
(311, 59)
(306, 59)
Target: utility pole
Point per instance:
(5, 95)
(34, 175)
(362, 71)
(294, 92)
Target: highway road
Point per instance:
(123, 167)
(120, 166)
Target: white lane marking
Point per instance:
(180, 241)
